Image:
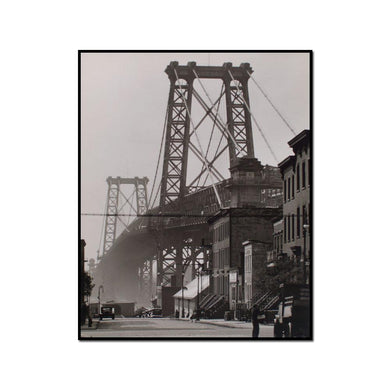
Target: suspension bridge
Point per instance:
(166, 236)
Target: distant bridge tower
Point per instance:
(180, 134)
(118, 201)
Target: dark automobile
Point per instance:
(107, 312)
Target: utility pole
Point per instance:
(305, 228)
(197, 303)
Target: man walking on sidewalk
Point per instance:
(255, 322)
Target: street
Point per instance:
(170, 328)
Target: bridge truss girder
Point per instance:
(175, 258)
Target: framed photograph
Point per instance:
(195, 195)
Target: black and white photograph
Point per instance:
(194, 194)
(196, 185)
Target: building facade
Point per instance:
(255, 261)
(246, 219)
(292, 234)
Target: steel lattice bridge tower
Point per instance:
(113, 209)
(175, 257)
(179, 139)
(171, 235)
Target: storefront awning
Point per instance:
(191, 289)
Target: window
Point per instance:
(298, 177)
(285, 191)
(292, 186)
(288, 189)
(298, 222)
(303, 175)
(308, 172)
(303, 215)
(292, 227)
(288, 226)
(285, 229)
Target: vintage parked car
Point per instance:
(107, 312)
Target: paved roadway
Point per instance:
(164, 327)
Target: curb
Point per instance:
(223, 325)
(95, 325)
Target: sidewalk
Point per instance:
(95, 325)
(226, 324)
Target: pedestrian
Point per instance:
(83, 314)
(255, 321)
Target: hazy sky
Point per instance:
(123, 104)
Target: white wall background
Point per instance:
(38, 121)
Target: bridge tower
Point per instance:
(179, 139)
(116, 202)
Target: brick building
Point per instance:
(291, 235)
(246, 219)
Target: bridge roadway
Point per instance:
(183, 219)
(144, 328)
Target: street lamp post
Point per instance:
(197, 300)
(182, 295)
(100, 288)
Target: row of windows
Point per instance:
(221, 232)
(248, 263)
(278, 242)
(221, 285)
(292, 222)
(222, 258)
(291, 184)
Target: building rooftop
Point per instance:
(287, 162)
(303, 138)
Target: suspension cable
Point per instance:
(103, 224)
(197, 138)
(254, 119)
(215, 155)
(212, 133)
(159, 153)
(131, 201)
(155, 196)
(217, 114)
(273, 106)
